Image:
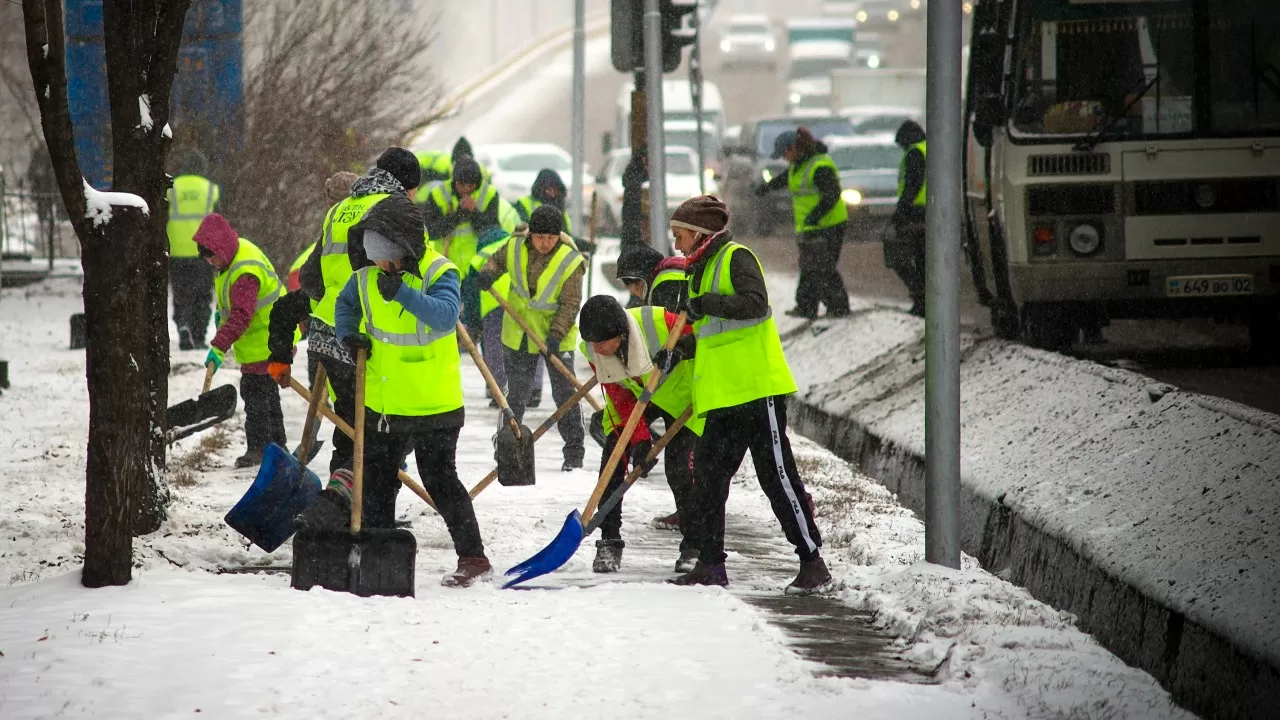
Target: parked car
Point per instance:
(809, 72)
(868, 167)
(513, 166)
(748, 41)
(874, 119)
(681, 183)
(877, 14)
(749, 165)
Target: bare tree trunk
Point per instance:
(125, 267)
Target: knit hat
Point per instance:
(378, 247)
(338, 186)
(546, 220)
(705, 214)
(467, 171)
(602, 318)
(637, 262)
(403, 166)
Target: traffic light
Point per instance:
(626, 29)
(675, 36)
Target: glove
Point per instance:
(280, 372)
(215, 356)
(691, 307)
(356, 342)
(388, 285)
(666, 360)
(640, 457)
(553, 342)
(484, 281)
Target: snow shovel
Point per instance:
(361, 561)
(608, 505)
(542, 346)
(307, 449)
(567, 541)
(542, 430)
(210, 408)
(513, 445)
(405, 478)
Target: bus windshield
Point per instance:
(1147, 68)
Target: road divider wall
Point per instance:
(1151, 514)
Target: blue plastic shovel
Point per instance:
(567, 541)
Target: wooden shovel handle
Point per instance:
(319, 389)
(542, 346)
(405, 478)
(488, 378)
(540, 430)
(209, 370)
(633, 421)
(357, 458)
(636, 472)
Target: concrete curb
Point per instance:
(1209, 670)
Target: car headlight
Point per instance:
(851, 197)
(893, 16)
(861, 16)
(873, 61)
(1085, 239)
(795, 98)
(768, 176)
(725, 46)
(915, 4)
(768, 45)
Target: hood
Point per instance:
(819, 148)
(612, 369)
(547, 179)
(396, 218)
(462, 149)
(638, 261)
(374, 182)
(909, 133)
(217, 235)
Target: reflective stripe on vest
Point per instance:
(805, 195)
(710, 326)
(422, 334)
(251, 346)
(335, 266)
(549, 294)
(538, 310)
(463, 240)
(922, 196)
(191, 199)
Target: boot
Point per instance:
(703, 574)
(535, 400)
(608, 556)
(250, 458)
(813, 578)
(669, 522)
(330, 511)
(570, 465)
(470, 570)
(688, 560)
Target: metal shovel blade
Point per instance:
(553, 556)
(374, 562)
(514, 456)
(191, 416)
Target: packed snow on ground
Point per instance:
(182, 639)
(98, 204)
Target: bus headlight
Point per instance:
(851, 197)
(1085, 239)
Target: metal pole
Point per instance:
(942, 288)
(579, 111)
(657, 154)
(695, 90)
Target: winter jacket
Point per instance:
(287, 312)
(440, 225)
(624, 401)
(667, 294)
(225, 243)
(824, 178)
(750, 299)
(570, 293)
(548, 179)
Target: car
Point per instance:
(874, 119)
(681, 183)
(878, 14)
(868, 167)
(869, 51)
(809, 71)
(748, 41)
(513, 166)
(749, 164)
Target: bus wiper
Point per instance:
(1092, 139)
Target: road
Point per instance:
(1197, 355)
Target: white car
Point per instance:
(513, 166)
(809, 72)
(682, 183)
(748, 40)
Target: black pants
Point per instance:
(435, 451)
(677, 460)
(761, 427)
(820, 280)
(520, 367)
(263, 418)
(905, 256)
(342, 383)
(192, 281)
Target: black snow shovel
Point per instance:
(361, 561)
(513, 445)
(210, 408)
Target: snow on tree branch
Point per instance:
(144, 112)
(98, 204)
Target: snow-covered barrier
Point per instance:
(1151, 514)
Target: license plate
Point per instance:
(1208, 285)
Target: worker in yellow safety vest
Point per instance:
(904, 252)
(740, 386)
(548, 189)
(192, 198)
(246, 286)
(458, 211)
(546, 290)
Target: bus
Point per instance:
(1123, 161)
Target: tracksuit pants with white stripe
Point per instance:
(761, 427)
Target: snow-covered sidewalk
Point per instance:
(182, 640)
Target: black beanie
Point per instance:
(602, 318)
(546, 220)
(403, 166)
(466, 170)
(638, 261)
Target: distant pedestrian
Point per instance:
(192, 198)
(904, 251)
(548, 189)
(820, 219)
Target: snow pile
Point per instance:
(98, 204)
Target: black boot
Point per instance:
(608, 556)
(703, 574)
(813, 578)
